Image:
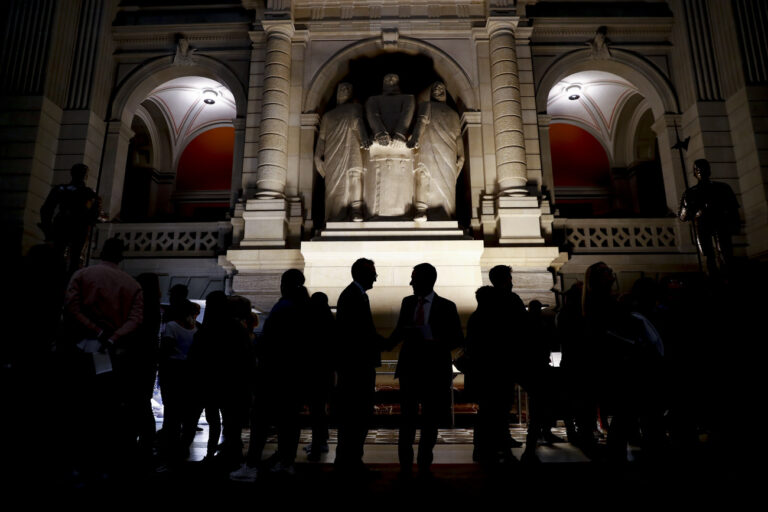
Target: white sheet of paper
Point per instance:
(102, 363)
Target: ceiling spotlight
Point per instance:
(573, 92)
(209, 96)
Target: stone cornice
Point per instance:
(471, 117)
(583, 29)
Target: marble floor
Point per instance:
(454, 446)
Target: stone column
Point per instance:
(266, 216)
(674, 186)
(119, 136)
(517, 215)
(273, 138)
(472, 130)
(512, 175)
(237, 160)
(309, 126)
(548, 179)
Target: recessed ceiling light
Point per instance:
(209, 96)
(573, 92)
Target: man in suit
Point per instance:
(359, 354)
(429, 327)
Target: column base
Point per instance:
(518, 220)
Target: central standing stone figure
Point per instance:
(389, 178)
(437, 135)
(338, 157)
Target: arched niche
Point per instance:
(417, 72)
(652, 85)
(457, 80)
(132, 92)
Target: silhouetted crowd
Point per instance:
(649, 369)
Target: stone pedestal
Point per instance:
(266, 223)
(395, 248)
(271, 222)
(519, 220)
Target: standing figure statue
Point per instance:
(338, 157)
(437, 135)
(67, 216)
(388, 187)
(712, 208)
(390, 113)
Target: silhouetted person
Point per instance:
(601, 316)
(67, 216)
(176, 382)
(429, 328)
(714, 211)
(178, 303)
(32, 392)
(516, 319)
(282, 374)
(103, 308)
(576, 365)
(142, 366)
(490, 380)
(542, 377)
(223, 363)
(358, 356)
(320, 350)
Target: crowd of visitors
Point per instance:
(630, 369)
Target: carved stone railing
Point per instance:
(625, 235)
(166, 239)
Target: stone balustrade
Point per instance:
(666, 235)
(167, 239)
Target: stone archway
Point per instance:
(457, 80)
(652, 85)
(127, 99)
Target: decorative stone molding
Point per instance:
(159, 240)
(624, 235)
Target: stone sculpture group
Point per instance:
(374, 169)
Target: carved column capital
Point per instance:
(279, 28)
(501, 23)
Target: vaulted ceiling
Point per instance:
(190, 106)
(592, 100)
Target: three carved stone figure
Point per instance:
(388, 171)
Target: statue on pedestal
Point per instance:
(440, 157)
(712, 208)
(338, 157)
(67, 216)
(389, 178)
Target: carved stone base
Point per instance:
(388, 182)
(519, 220)
(271, 222)
(327, 268)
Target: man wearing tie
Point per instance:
(359, 354)
(429, 327)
